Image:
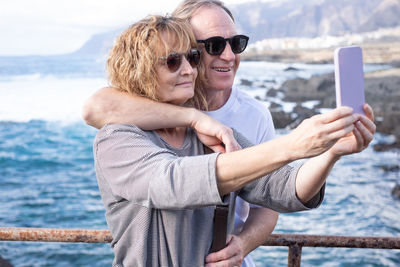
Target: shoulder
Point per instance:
(110, 129)
(256, 120)
(123, 132)
(249, 102)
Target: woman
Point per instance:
(150, 225)
(159, 188)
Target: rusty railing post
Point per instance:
(294, 255)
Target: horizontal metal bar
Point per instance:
(104, 236)
(54, 235)
(377, 242)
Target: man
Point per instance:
(209, 18)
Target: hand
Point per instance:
(231, 255)
(214, 134)
(320, 132)
(359, 139)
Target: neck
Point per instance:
(173, 136)
(217, 98)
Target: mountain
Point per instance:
(312, 18)
(98, 44)
(290, 18)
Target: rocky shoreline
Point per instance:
(382, 92)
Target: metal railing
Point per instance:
(293, 241)
(297, 242)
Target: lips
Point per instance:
(221, 69)
(185, 83)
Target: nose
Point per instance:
(186, 68)
(227, 54)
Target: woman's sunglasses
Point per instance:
(216, 45)
(174, 60)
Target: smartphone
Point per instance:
(349, 78)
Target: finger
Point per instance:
(230, 142)
(223, 254)
(365, 133)
(359, 139)
(342, 123)
(369, 112)
(217, 149)
(341, 133)
(368, 123)
(234, 261)
(336, 114)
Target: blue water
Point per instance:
(47, 177)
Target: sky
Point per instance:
(48, 27)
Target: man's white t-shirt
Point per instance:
(251, 118)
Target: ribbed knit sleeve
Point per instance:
(141, 172)
(277, 190)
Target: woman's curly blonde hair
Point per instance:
(131, 65)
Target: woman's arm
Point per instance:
(311, 138)
(111, 106)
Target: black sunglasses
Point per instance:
(216, 45)
(174, 60)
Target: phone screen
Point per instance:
(349, 78)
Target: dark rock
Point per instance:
(246, 82)
(382, 93)
(318, 87)
(390, 168)
(382, 147)
(275, 106)
(302, 114)
(272, 92)
(281, 119)
(396, 191)
(395, 64)
(5, 263)
(291, 69)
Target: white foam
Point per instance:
(24, 98)
(310, 104)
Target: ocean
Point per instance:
(47, 177)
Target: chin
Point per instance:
(222, 86)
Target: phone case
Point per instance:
(349, 78)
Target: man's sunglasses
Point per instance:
(216, 45)
(174, 60)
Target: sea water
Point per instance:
(47, 177)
